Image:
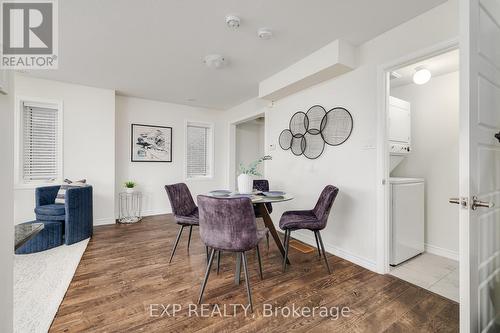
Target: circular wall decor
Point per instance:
(315, 116)
(308, 133)
(298, 145)
(285, 139)
(337, 126)
(314, 146)
(299, 124)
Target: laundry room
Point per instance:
(423, 140)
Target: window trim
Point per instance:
(211, 151)
(18, 139)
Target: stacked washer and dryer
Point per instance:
(407, 195)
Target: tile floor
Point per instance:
(432, 272)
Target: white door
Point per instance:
(480, 165)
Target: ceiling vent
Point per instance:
(215, 61)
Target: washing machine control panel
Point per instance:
(399, 148)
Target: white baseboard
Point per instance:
(439, 251)
(104, 221)
(155, 212)
(363, 262)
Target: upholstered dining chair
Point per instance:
(314, 220)
(184, 209)
(228, 224)
(263, 186)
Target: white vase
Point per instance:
(245, 184)
(130, 190)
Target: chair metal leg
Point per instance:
(247, 280)
(317, 243)
(189, 238)
(176, 242)
(237, 272)
(267, 240)
(260, 262)
(287, 241)
(324, 253)
(219, 253)
(207, 273)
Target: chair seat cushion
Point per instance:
(300, 219)
(192, 219)
(51, 210)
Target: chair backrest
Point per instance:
(227, 223)
(325, 203)
(181, 199)
(261, 185)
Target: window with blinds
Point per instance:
(40, 144)
(198, 150)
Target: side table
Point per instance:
(130, 205)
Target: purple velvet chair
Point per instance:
(184, 209)
(228, 224)
(314, 220)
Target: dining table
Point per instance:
(259, 200)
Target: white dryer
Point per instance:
(407, 218)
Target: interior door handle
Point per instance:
(459, 201)
(478, 203)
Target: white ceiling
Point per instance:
(154, 48)
(441, 64)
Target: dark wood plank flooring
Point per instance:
(125, 270)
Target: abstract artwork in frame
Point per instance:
(151, 143)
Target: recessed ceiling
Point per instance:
(441, 64)
(155, 48)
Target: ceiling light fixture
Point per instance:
(422, 75)
(215, 61)
(264, 33)
(233, 21)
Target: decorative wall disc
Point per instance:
(285, 139)
(314, 146)
(315, 117)
(298, 145)
(337, 126)
(299, 124)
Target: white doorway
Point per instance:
(420, 171)
(250, 142)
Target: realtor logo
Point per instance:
(29, 34)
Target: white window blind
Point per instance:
(40, 158)
(198, 151)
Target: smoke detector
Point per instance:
(215, 61)
(233, 21)
(264, 33)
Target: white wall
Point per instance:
(435, 133)
(88, 144)
(6, 207)
(152, 177)
(250, 143)
(351, 231)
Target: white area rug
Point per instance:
(40, 282)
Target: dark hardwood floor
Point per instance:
(124, 278)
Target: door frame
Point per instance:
(383, 159)
(231, 175)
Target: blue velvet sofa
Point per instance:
(76, 214)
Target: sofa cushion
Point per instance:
(51, 210)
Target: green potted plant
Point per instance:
(247, 173)
(129, 186)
